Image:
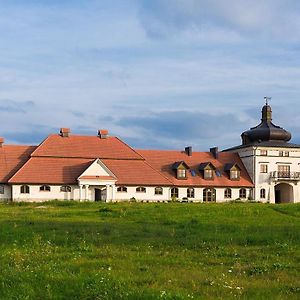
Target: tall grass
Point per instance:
(70, 250)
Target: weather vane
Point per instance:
(267, 99)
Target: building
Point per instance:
(271, 161)
(103, 168)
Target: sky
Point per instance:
(159, 74)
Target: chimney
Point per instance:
(215, 152)
(188, 151)
(103, 133)
(1, 142)
(65, 132)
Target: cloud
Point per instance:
(11, 106)
(269, 18)
(179, 128)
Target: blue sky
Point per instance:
(158, 74)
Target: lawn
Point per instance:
(70, 250)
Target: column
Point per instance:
(107, 193)
(80, 192)
(272, 193)
(87, 192)
(112, 192)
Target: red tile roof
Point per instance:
(162, 161)
(135, 173)
(61, 160)
(85, 147)
(42, 170)
(12, 158)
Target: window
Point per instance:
(243, 193)
(140, 189)
(284, 171)
(227, 194)
(262, 193)
(209, 195)
(263, 168)
(45, 188)
(65, 188)
(190, 193)
(284, 153)
(263, 152)
(1, 189)
(208, 174)
(235, 174)
(174, 192)
(24, 189)
(158, 191)
(122, 189)
(181, 173)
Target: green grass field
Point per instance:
(70, 250)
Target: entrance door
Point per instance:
(98, 195)
(277, 196)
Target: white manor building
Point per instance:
(102, 168)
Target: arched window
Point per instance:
(24, 189)
(140, 189)
(209, 195)
(122, 189)
(262, 193)
(227, 194)
(174, 192)
(243, 193)
(158, 191)
(45, 188)
(1, 189)
(65, 188)
(190, 193)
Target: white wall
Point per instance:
(37, 196)
(252, 160)
(7, 192)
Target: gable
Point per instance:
(97, 169)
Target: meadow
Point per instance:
(71, 250)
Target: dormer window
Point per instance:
(233, 171)
(180, 168)
(181, 173)
(208, 174)
(208, 170)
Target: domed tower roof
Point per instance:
(266, 131)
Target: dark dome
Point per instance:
(266, 130)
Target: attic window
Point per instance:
(235, 174)
(181, 173)
(263, 152)
(207, 169)
(208, 174)
(180, 167)
(233, 171)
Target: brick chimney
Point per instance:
(1, 142)
(65, 132)
(103, 133)
(188, 151)
(215, 152)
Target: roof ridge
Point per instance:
(130, 148)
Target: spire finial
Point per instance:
(267, 99)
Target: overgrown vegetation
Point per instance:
(69, 250)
